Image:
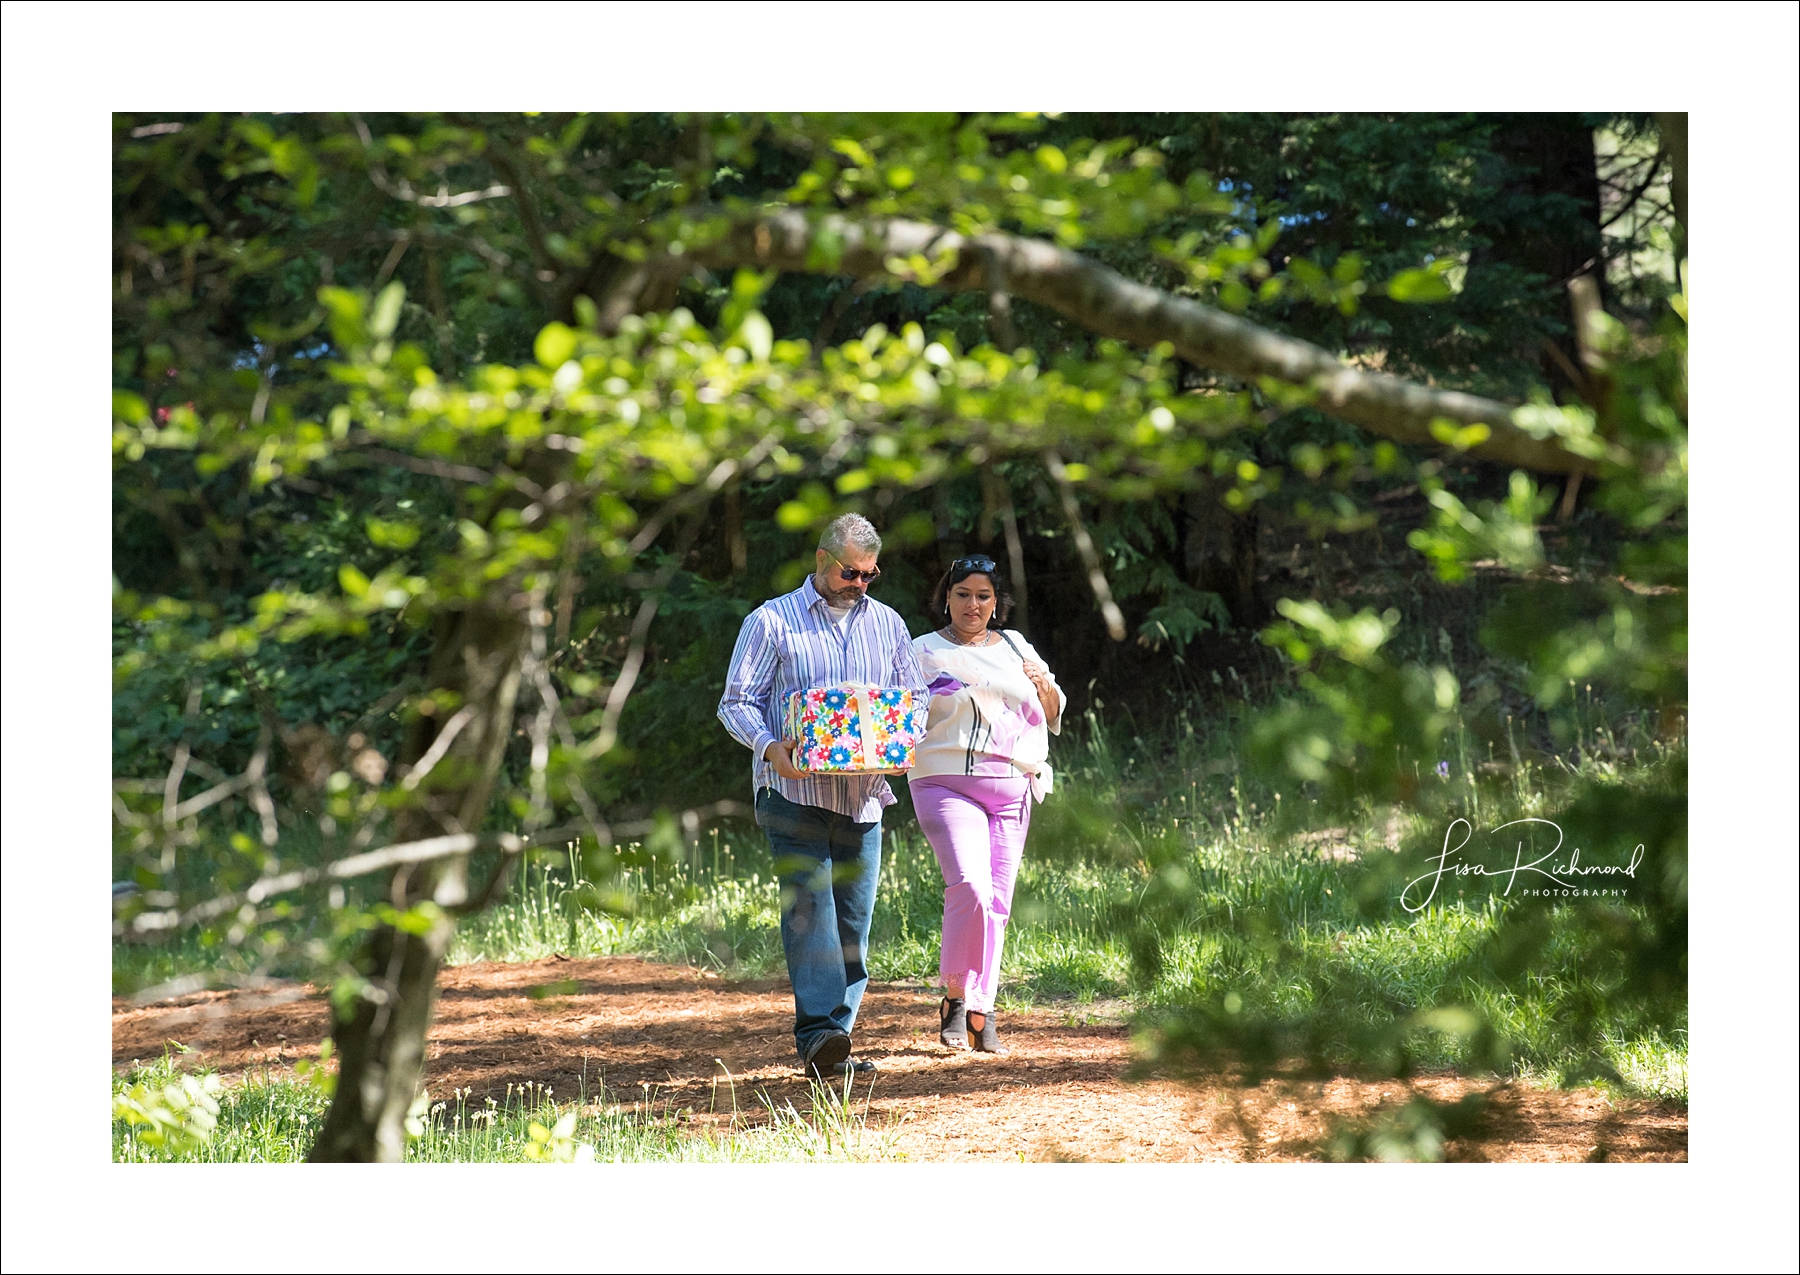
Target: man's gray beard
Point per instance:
(836, 597)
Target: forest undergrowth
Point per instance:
(272, 1118)
(1162, 876)
(1272, 894)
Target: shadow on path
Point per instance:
(627, 1031)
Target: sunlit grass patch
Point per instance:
(1653, 1064)
(1166, 882)
(266, 1118)
(262, 1119)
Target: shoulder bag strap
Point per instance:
(1031, 775)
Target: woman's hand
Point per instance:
(1046, 689)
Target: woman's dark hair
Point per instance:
(962, 569)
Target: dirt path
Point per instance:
(656, 1030)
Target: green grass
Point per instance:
(1223, 915)
(1161, 876)
(728, 920)
(272, 1119)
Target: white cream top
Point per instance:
(990, 722)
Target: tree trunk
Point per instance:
(1551, 193)
(381, 1049)
(1220, 555)
(380, 1036)
(735, 544)
(997, 510)
(1673, 127)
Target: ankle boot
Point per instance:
(985, 1039)
(953, 1025)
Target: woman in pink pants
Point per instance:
(979, 768)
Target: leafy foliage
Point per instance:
(444, 476)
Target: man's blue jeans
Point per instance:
(828, 865)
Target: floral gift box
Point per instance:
(848, 729)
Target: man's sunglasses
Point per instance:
(847, 574)
(975, 562)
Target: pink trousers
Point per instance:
(976, 826)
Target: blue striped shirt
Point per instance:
(790, 643)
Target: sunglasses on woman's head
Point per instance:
(975, 562)
(848, 574)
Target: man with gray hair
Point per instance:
(824, 829)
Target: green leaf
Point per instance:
(387, 311)
(826, 249)
(555, 345)
(353, 582)
(344, 309)
(129, 407)
(852, 150)
(1418, 287)
(747, 289)
(811, 508)
(392, 535)
(1461, 438)
(756, 334)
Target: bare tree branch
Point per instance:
(392, 263)
(439, 747)
(1584, 304)
(410, 852)
(406, 853)
(1630, 201)
(183, 751)
(188, 984)
(638, 284)
(435, 468)
(1000, 323)
(543, 261)
(211, 797)
(125, 815)
(444, 199)
(835, 312)
(568, 585)
(400, 188)
(1084, 545)
(400, 691)
(721, 474)
(640, 635)
(1576, 378)
(603, 834)
(1107, 303)
(1673, 127)
(172, 786)
(1001, 493)
(540, 726)
(255, 777)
